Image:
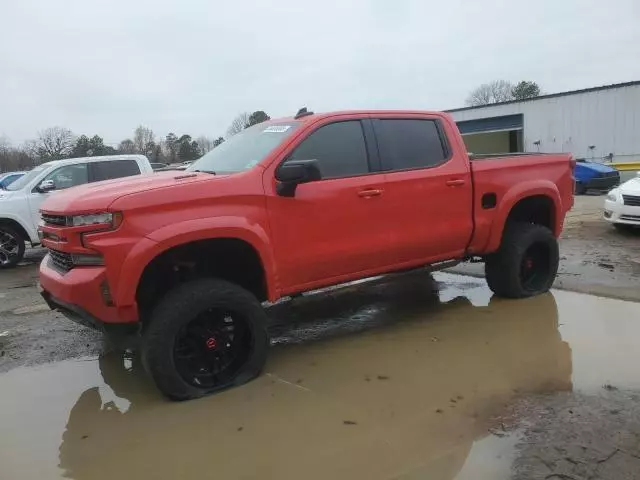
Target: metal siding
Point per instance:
(607, 119)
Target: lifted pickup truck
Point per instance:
(184, 259)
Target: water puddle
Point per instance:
(397, 379)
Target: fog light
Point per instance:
(607, 214)
(106, 293)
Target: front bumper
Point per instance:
(603, 183)
(78, 294)
(616, 212)
(72, 312)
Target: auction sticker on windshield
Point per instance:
(276, 129)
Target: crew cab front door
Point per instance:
(330, 229)
(63, 177)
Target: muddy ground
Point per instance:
(414, 376)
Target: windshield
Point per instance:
(245, 149)
(25, 179)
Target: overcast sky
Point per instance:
(106, 66)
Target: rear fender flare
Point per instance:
(519, 192)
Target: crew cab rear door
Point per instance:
(333, 228)
(427, 186)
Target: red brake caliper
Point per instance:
(211, 343)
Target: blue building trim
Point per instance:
(506, 122)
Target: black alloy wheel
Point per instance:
(212, 348)
(11, 247)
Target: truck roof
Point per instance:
(312, 117)
(105, 158)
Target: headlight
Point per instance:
(612, 196)
(107, 218)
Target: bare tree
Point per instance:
(127, 146)
(143, 139)
(53, 143)
(205, 144)
(12, 158)
(493, 92)
(239, 123)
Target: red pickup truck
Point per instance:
(184, 260)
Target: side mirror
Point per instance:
(294, 172)
(46, 186)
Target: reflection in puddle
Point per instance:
(407, 396)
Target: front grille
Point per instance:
(615, 173)
(61, 261)
(56, 220)
(632, 200)
(630, 218)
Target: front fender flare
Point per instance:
(188, 231)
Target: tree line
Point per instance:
(55, 143)
(502, 91)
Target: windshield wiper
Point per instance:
(205, 171)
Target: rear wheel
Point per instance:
(580, 189)
(12, 247)
(205, 336)
(526, 263)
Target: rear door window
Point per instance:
(406, 144)
(113, 169)
(339, 149)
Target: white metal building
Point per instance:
(601, 123)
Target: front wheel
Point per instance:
(12, 247)
(205, 336)
(526, 263)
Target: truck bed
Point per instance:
(507, 177)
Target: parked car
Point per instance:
(159, 166)
(622, 204)
(595, 176)
(20, 202)
(184, 259)
(8, 178)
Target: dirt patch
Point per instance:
(577, 436)
(31, 333)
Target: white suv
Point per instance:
(20, 202)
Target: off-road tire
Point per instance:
(182, 305)
(503, 269)
(14, 260)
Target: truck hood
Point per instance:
(94, 197)
(594, 167)
(631, 187)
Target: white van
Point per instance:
(21, 201)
